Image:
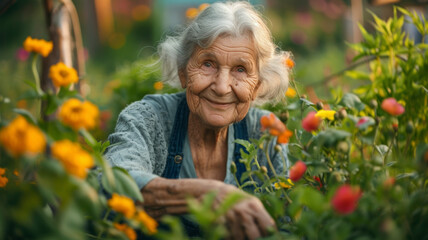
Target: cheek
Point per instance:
(244, 88)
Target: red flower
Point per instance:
(345, 200)
(297, 171)
(391, 106)
(311, 122)
(317, 179)
(389, 182)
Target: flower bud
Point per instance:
(278, 148)
(263, 170)
(342, 114)
(284, 116)
(395, 126)
(233, 168)
(373, 104)
(304, 96)
(261, 146)
(409, 127)
(377, 120)
(319, 106)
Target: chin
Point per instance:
(218, 121)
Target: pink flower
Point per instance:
(362, 121)
(391, 106)
(297, 171)
(22, 55)
(311, 122)
(345, 200)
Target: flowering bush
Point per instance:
(359, 161)
(50, 169)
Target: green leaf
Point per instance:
(352, 101)
(357, 75)
(313, 199)
(26, 114)
(124, 184)
(330, 137)
(230, 200)
(248, 183)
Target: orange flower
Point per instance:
(20, 137)
(284, 137)
(62, 75)
(129, 232)
(77, 114)
(191, 13)
(203, 6)
(122, 204)
(3, 180)
(276, 128)
(271, 122)
(158, 86)
(289, 63)
(38, 45)
(75, 160)
(147, 221)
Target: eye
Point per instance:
(240, 69)
(207, 64)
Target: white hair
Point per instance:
(234, 19)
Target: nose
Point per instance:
(223, 81)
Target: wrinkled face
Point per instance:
(222, 80)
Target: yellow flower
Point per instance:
(122, 204)
(3, 180)
(288, 184)
(147, 221)
(20, 137)
(329, 114)
(38, 45)
(291, 93)
(77, 114)
(191, 13)
(129, 232)
(62, 75)
(75, 160)
(158, 86)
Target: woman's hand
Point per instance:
(248, 219)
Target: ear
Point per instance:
(183, 78)
(256, 90)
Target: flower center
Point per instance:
(63, 73)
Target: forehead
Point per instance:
(231, 46)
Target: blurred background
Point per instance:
(120, 38)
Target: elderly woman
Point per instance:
(180, 145)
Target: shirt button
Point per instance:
(178, 159)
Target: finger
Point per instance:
(234, 226)
(262, 218)
(249, 225)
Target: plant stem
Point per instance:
(36, 75)
(104, 219)
(274, 172)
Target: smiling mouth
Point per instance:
(217, 104)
